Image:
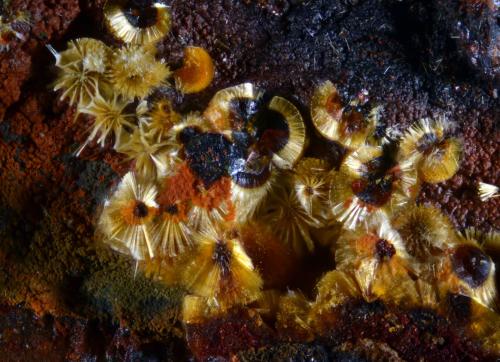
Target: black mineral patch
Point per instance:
(373, 192)
(141, 210)
(460, 306)
(140, 13)
(222, 258)
(384, 249)
(245, 171)
(208, 156)
(251, 180)
(242, 111)
(271, 130)
(471, 265)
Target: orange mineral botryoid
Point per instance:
(196, 73)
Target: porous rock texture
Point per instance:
(70, 298)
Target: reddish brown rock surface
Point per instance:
(415, 58)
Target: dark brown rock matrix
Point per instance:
(415, 58)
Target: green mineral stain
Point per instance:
(141, 302)
(84, 275)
